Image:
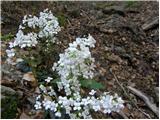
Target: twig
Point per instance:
(128, 95)
(151, 105)
(119, 83)
(156, 89)
(86, 15)
(151, 24)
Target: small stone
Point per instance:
(123, 38)
(137, 53)
(143, 43)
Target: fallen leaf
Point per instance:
(29, 77)
(37, 90)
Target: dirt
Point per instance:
(123, 48)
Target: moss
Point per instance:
(9, 107)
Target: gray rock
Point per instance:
(7, 90)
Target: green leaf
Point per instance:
(55, 80)
(92, 84)
(96, 85)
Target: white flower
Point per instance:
(92, 92)
(47, 25)
(38, 97)
(47, 104)
(11, 45)
(60, 86)
(77, 106)
(23, 41)
(21, 27)
(43, 88)
(64, 101)
(96, 106)
(58, 114)
(54, 66)
(38, 105)
(73, 63)
(48, 79)
(68, 109)
(53, 106)
(10, 53)
(84, 102)
(52, 92)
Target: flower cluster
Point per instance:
(46, 22)
(46, 26)
(80, 107)
(74, 62)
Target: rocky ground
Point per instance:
(126, 53)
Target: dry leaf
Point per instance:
(37, 90)
(29, 77)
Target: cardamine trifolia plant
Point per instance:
(35, 43)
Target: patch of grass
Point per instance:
(6, 37)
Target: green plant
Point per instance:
(7, 37)
(60, 86)
(9, 107)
